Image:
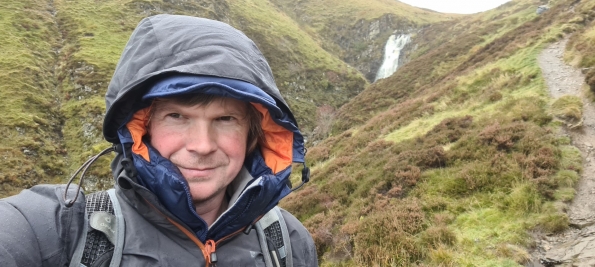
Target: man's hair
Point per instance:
(253, 116)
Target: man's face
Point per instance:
(206, 142)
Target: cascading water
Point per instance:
(392, 51)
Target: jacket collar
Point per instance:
(256, 190)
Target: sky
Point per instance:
(456, 6)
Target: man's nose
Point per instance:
(200, 139)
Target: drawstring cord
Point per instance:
(305, 177)
(84, 167)
(305, 174)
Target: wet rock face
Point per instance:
(363, 42)
(578, 250)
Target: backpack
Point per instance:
(104, 235)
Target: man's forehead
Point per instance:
(203, 101)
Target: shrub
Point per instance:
(571, 159)
(566, 178)
(524, 198)
(569, 109)
(318, 154)
(435, 204)
(590, 79)
(434, 157)
(408, 176)
(495, 96)
(518, 254)
(340, 187)
(503, 137)
(386, 237)
(477, 175)
(546, 187)
(325, 118)
(565, 194)
(441, 256)
(307, 202)
(554, 222)
(321, 227)
(540, 163)
(435, 236)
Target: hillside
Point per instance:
(59, 57)
(455, 160)
(357, 30)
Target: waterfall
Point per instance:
(392, 51)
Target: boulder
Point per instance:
(541, 9)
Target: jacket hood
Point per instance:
(168, 44)
(172, 55)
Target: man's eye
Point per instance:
(226, 118)
(174, 115)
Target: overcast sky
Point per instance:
(456, 6)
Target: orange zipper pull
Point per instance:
(211, 247)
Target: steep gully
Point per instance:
(575, 246)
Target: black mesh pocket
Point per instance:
(274, 234)
(97, 243)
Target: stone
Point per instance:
(374, 30)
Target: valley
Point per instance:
(477, 151)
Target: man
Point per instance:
(204, 144)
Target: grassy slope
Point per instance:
(455, 141)
(357, 30)
(318, 15)
(31, 150)
(307, 75)
(60, 55)
(94, 35)
(452, 160)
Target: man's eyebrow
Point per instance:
(162, 107)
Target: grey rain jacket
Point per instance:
(161, 226)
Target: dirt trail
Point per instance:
(576, 246)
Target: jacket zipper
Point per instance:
(211, 245)
(209, 248)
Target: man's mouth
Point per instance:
(196, 168)
(197, 172)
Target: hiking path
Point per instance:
(575, 246)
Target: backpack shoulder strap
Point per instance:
(104, 232)
(274, 239)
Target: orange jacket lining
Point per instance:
(277, 152)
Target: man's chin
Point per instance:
(196, 179)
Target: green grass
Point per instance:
(452, 161)
(57, 61)
(93, 36)
(569, 109)
(461, 132)
(308, 75)
(32, 149)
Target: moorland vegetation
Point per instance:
(452, 161)
(457, 158)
